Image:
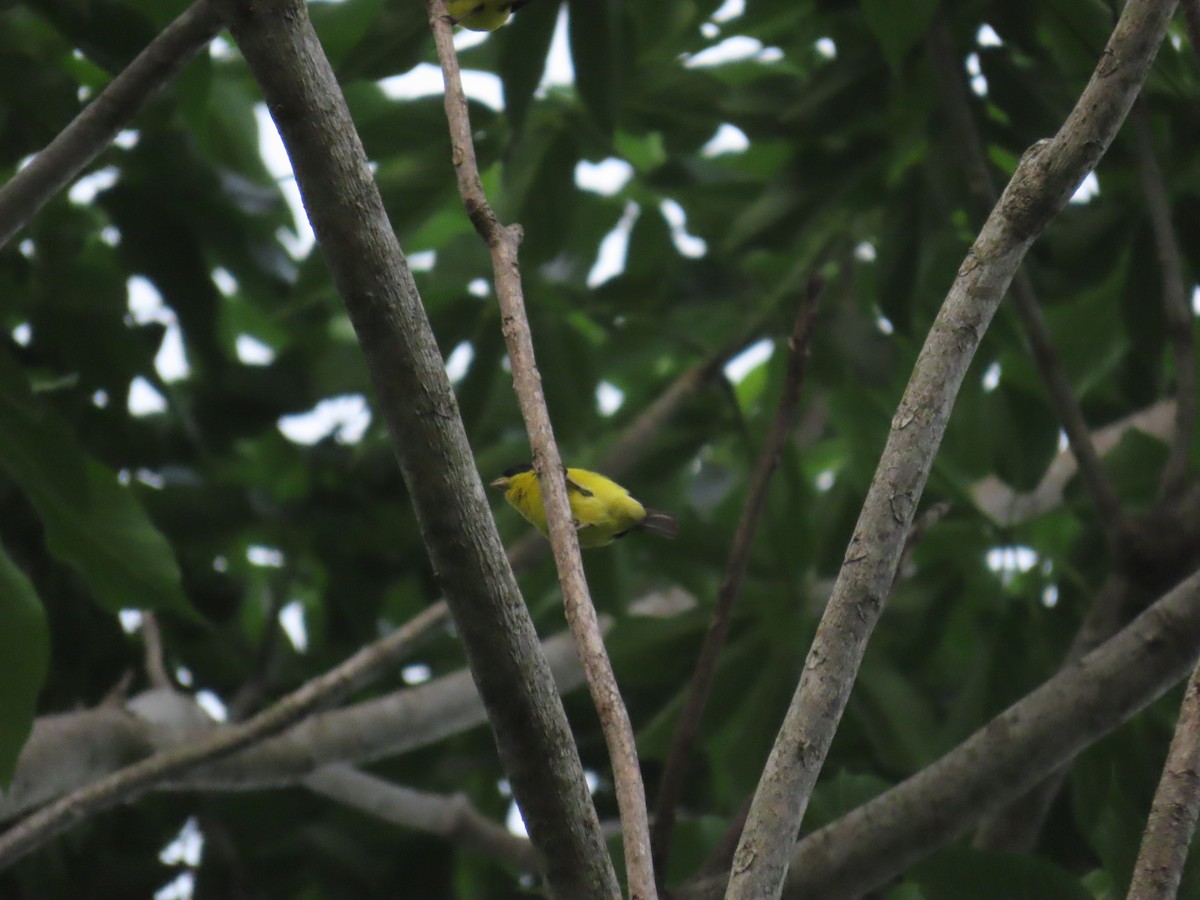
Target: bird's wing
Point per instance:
(577, 487)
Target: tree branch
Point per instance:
(415, 400)
(1172, 823)
(156, 669)
(1042, 184)
(1175, 303)
(953, 89)
(134, 780)
(700, 686)
(867, 847)
(381, 727)
(69, 750)
(503, 242)
(453, 818)
(90, 132)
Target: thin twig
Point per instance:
(981, 188)
(1175, 302)
(90, 132)
(156, 669)
(453, 818)
(503, 242)
(119, 692)
(1042, 184)
(1172, 822)
(700, 686)
(132, 781)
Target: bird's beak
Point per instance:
(501, 482)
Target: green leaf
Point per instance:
(751, 390)
(1134, 465)
(541, 183)
(650, 247)
(160, 11)
(342, 26)
(905, 891)
(1112, 785)
(836, 796)
(897, 718)
(595, 54)
(1031, 429)
(898, 26)
(92, 522)
(960, 872)
(193, 87)
(524, 45)
(24, 655)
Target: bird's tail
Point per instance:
(660, 522)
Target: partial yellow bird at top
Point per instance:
(603, 510)
(482, 15)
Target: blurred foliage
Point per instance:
(752, 148)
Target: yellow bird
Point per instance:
(603, 510)
(482, 15)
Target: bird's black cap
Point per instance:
(517, 470)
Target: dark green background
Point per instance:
(843, 151)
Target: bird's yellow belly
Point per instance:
(600, 520)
